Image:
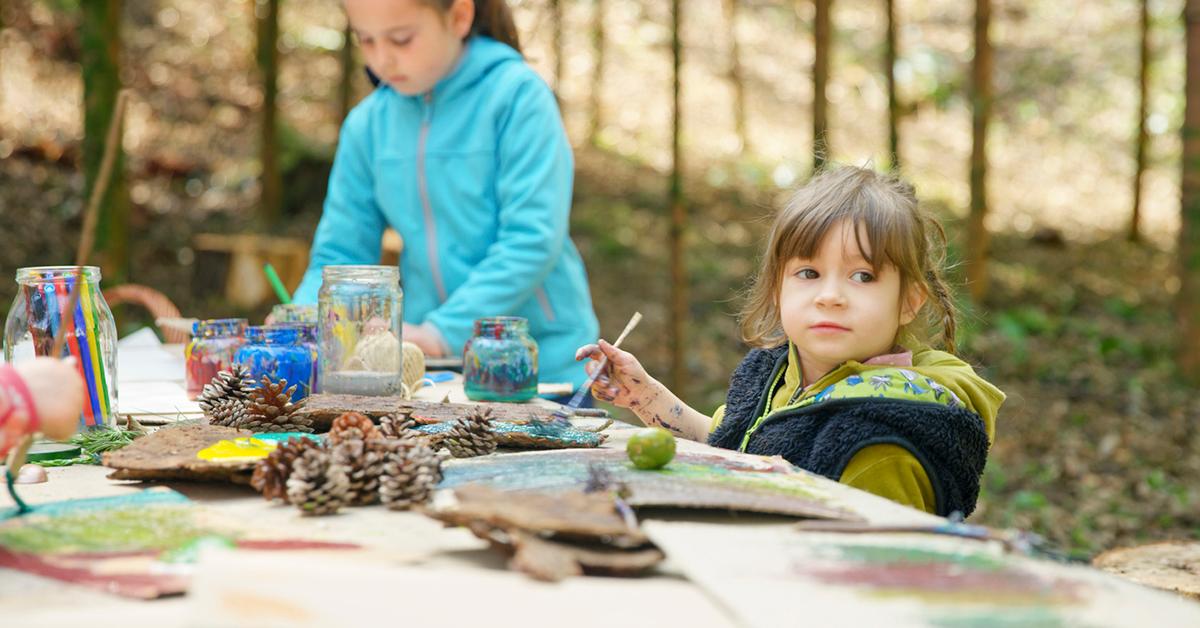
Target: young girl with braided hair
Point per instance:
(842, 381)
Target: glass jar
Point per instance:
(287, 351)
(500, 361)
(36, 315)
(211, 350)
(359, 309)
(294, 313)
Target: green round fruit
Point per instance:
(650, 448)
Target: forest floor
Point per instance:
(1096, 447)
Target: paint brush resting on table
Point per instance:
(562, 416)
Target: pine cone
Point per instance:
(411, 470)
(399, 425)
(232, 384)
(272, 410)
(363, 462)
(271, 473)
(471, 436)
(317, 486)
(353, 426)
(229, 412)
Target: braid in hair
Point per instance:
(942, 294)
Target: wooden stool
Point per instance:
(1172, 566)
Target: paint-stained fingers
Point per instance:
(588, 351)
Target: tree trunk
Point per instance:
(556, 24)
(735, 75)
(679, 278)
(889, 61)
(1139, 167)
(100, 40)
(596, 123)
(821, 28)
(266, 13)
(349, 71)
(1187, 304)
(978, 238)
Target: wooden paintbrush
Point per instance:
(562, 416)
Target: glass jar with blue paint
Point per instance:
(500, 363)
(285, 351)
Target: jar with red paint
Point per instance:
(212, 349)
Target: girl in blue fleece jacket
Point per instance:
(461, 149)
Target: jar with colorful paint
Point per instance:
(211, 350)
(360, 313)
(285, 351)
(500, 363)
(43, 296)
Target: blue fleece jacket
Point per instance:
(477, 177)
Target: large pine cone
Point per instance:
(229, 412)
(471, 436)
(316, 485)
(411, 470)
(272, 410)
(399, 425)
(353, 426)
(271, 473)
(232, 384)
(363, 462)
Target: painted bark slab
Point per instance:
(767, 572)
(134, 545)
(322, 409)
(529, 436)
(170, 454)
(692, 480)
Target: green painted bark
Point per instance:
(978, 238)
(1187, 302)
(266, 13)
(100, 40)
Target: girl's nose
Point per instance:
(830, 295)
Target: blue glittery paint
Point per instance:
(282, 352)
(500, 363)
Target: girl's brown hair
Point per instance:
(897, 233)
(492, 18)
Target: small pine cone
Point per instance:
(363, 462)
(229, 412)
(271, 473)
(471, 436)
(231, 384)
(272, 410)
(353, 426)
(398, 425)
(317, 486)
(411, 470)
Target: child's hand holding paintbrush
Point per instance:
(620, 379)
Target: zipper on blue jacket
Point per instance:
(426, 206)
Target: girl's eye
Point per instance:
(402, 42)
(862, 276)
(807, 273)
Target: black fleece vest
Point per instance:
(950, 443)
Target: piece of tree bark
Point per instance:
(978, 238)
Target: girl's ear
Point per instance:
(460, 16)
(911, 304)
